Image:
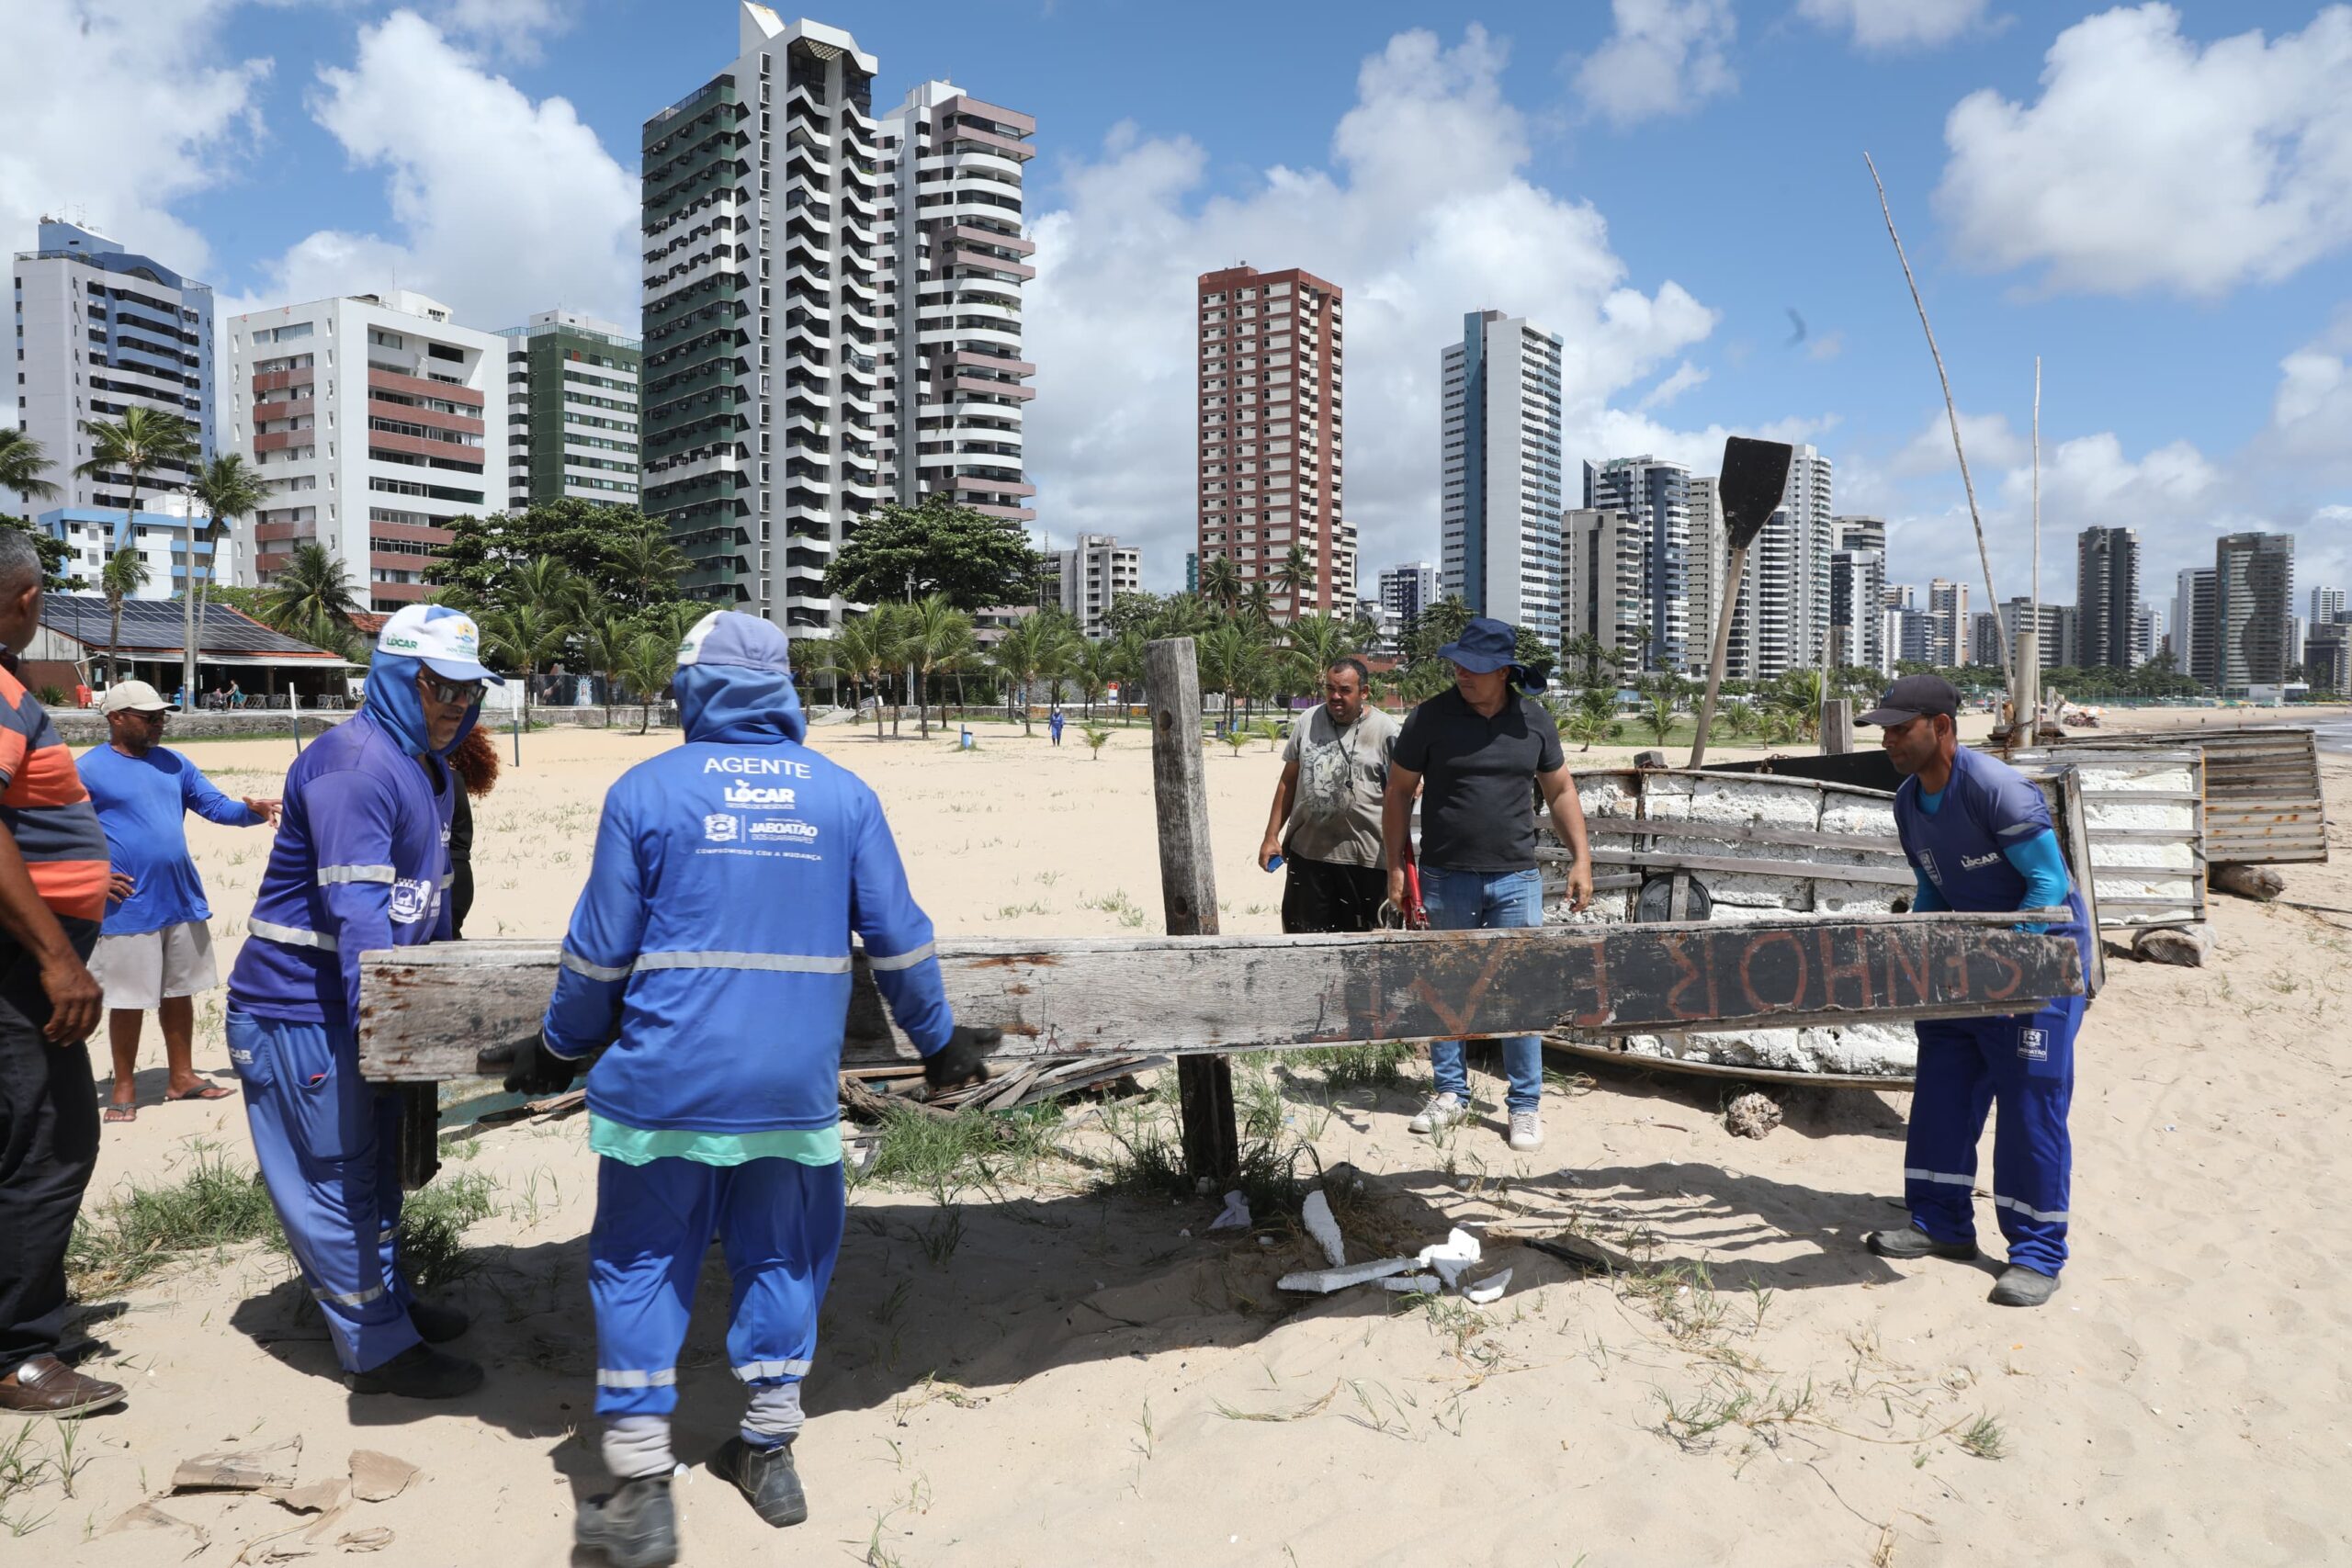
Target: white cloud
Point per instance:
(1992, 444)
(1666, 56)
(502, 206)
(513, 28)
(2310, 416)
(1824, 346)
(1686, 375)
(112, 110)
(1893, 24)
(2150, 163)
(1423, 215)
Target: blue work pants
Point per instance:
(2026, 1063)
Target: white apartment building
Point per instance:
(1090, 578)
(1406, 591)
(1654, 493)
(1602, 585)
(377, 419)
(1706, 557)
(572, 410)
(1782, 619)
(1857, 618)
(1948, 602)
(1500, 462)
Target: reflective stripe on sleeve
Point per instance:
(791, 963)
(334, 873)
(580, 965)
(1943, 1176)
(907, 960)
(751, 1371)
(293, 936)
(623, 1377)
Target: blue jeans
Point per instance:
(1486, 900)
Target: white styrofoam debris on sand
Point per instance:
(1235, 1215)
(1323, 1281)
(1316, 1214)
(1487, 1290)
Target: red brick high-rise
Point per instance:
(1270, 433)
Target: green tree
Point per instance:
(23, 464)
(905, 553)
(227, 488)
(135, 445)
(1436, 626)
(1094, 735)
(1296, 576)
(624, 557)
(1221, 587)
(651, 659)
(1094, 665)
(125, 575)
(1592, 716)
(1036, 647)
(311, 589)
(859, 653)
(1590, 651)
(605, 646)
(933, 637)
(525, 640)
(1313, 644)
(1659, 718)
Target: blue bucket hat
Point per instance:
(1488, 645)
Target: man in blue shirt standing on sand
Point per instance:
(710, 951)
(154, 954)
(1979, 837)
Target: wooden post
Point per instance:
(1837, 726)
(1188, 886)
(1731, 571)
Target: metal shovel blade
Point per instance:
(1754, 476)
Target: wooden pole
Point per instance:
(1737, 564)
(1837, 726)
(1188, 886)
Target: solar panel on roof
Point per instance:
(162, 624)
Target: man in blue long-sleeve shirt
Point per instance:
(154, 952)
(710, 951)
(1979, 837)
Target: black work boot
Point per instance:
(1908, 1244)
(636, 1527)
(2019, 1286)
(767, 1477)
(420, 1372)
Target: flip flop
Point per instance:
(121, 1113)
(201, 1091)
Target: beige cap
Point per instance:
(134, 694)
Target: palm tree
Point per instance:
(605, 648)
(933, 635)
(1093, 665)
(143, 440)
(648, 561)
(1588, 650)
(22, 463)
(1036, 647)
(1221, 583)
(1258, 605)
(1315, 643)
(651, 660)
(227, 488)
(526, 637)
(311, 589)
(861, 651)
(1659, 718)
(125, 575)
(1295, 575)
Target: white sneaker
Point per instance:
(1526, 1130)
(1438, 1112)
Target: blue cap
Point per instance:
(1488, 645)
(730, 638)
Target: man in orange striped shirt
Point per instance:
(53, 886)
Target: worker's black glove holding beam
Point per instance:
(533, 1067)
(964, 1059)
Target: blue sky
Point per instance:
(2154, 199)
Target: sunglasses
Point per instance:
(462, 693)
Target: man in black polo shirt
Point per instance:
(1472, 753)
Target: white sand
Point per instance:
(1063, 1387)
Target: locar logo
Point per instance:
(759, 795)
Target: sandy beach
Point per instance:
(1031, 1370)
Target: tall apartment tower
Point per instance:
(2254, 590)
(1782, 622)
(377, 419)
(1948, 602)
(98, 330)
(1499, 458)
(572, 410)
(2147, 632)
(1406, 591)
(2106, 592)
(2327, 604)
(1857, 620)
(1603, 584)
(1270, 432)
(954, 262)
(1856, 532)
(2194, 643)
(1654, 493)
(1090, 578)
(1705, 560)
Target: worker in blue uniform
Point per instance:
(1979, 837)
(708, 959)
(361, 862)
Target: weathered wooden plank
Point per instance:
(427, 1011)
(1811, 871)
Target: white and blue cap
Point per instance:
(445, 641)
(730, 638)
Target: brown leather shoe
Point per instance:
(47, 1386)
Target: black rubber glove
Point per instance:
(533, 1069)
(964, 1059)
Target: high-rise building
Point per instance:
(1270, 429)
(1985, 634)
(1919, 637)
(1406, 591)
(1387, 630)
(2106, 592)
(1654, 495)
(100, 329)
(2147, 632)
(1901, 596)
(1782, 619)
(1705, 560)
(1500, 462)
(572, 410)
(1091, 576)
(1603, 585)
(1856, 531)
(831, 312)
(2254, 586)
(2194, 643)
(2327, 658)
(1191, 571)
(1857, 616)
(1948, 602)
(376, 421)
(2327, 604)
(2057, 636)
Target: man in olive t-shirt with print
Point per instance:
(1325, 823)
(1477, 754)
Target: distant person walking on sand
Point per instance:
(1476, 754)
(475, 762)
(1325, 820)
(1054, 724)
(156, 953)
(53, 886)
(711, 951)
(361, 862)
(1979, 837)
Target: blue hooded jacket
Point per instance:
(712, 942)
(361, 858)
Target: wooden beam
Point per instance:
(427, 1011)
(1172, 677)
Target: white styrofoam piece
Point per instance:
(1323, 1281)
(1415, 1284)
(1316, 1214)
(1235, 1214)
(1487, 1290)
